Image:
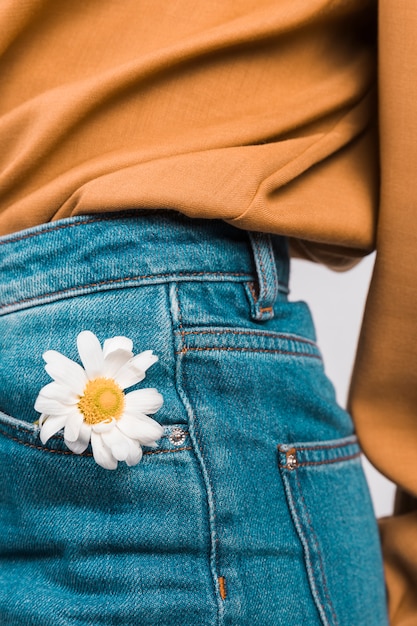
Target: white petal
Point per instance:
(65, 372)
(114, 362)
(55, 391)
(127, 376)
(144, 400)
(102, 454)
(118, 444)
(83, 440)
(104, 426)
(91, 354)
(117, 343)
(73, 425)
(144, 428)
(77, 447)
(135, 453)
(141, 362)
(51, 407)
(134, 371)
(51, 426)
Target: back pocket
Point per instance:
(332, 512)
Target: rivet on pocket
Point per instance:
(291, 459)
(177, 436)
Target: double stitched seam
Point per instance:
(255, 333)
(263, 287)
(84, 454)
(251, 286)
(232, 349)
(333, 446)
(26, 431)
(213, 555)
(326, 461)
(182, 332)
(273, 265)
(306, 547)
(113, 281)
(122, 215)
(60, 227)
(320, 562)
(213, 531)
(325, 446)
(273, 270)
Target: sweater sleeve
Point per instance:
(383, 390)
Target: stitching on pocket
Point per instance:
(326, 461)
(335, 451)
(184, 350)
(322, 453)
(85, 454)
(181, 383)
(118, 281)
(310, 556)
(318, 551)
(306, 550)
(326, 447)
(255, 333)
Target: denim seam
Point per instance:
(185, 349)
(84, 454)
(263, 288)
(255, 333)
(323, 447)
(326, 461)
(118, 281)
(212, 511)
(198, 451)
(251, 286)
(60, 227)
(118, 215)
(263, 309)
(28, 429)
(272, 258)
(320, 561)
(306, 549)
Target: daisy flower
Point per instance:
(90, 404)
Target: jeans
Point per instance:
(253, 508)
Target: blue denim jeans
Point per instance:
(252, 510)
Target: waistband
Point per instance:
(92, 253)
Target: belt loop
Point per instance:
(263, 294)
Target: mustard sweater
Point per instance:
(284, 116)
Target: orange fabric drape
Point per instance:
(283, 116)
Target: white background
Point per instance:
(337, 301)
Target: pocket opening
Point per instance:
(330, 505)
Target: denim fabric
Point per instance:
(252, 510)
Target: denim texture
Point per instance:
(252, 510)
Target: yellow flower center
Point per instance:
(102, 400)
